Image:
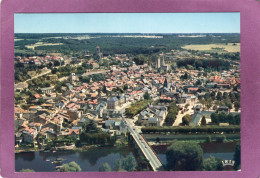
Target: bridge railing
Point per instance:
(152, 149)
(143, 153)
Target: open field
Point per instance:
(17, 39)
(55, 54)
(221, 48)
(192, 36)
(41, 44)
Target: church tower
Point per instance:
(158, 63)
(165, 84)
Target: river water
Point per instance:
(224, 151)
(93, 158)
(89, 160)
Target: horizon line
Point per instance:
(125, 33)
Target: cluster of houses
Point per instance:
(38, 60)
(102, 101)
(152, 116)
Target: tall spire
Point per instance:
(165, 84)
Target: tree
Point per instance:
(228, 103)
(140, 59)
(212, 164)
(129, 163)
(237, 105)
(208, 139)
(146, 96)
(118, 165)
(225, 95)
(186, 119)
(221, 139)
(50, 65)
(214, 118)
(237, 156)
(208, 103)
(56, 63)
(185, 76)
(171, 116)
(203, 121)
(27, 170)
(198, 82)
(213, 95)
(54, 70)
(105, 168)
(40, 101)
(71, 167)
(184, 156)
(91, 127)
(203, 102)
(125, 87)
(219, 96)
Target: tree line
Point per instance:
(93, 135)
(191, 130)
(121, 165)
(188, 156)
(222, 117)
(136, 108)
(113, 45)
(172, 114)
(216, 64)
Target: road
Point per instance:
(143, 145)
(123, 107)
(47, 72)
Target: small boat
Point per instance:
(55, 162)
(47, 160)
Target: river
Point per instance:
(224, 151)
(89, 160)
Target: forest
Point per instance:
(114, 44)
(216, 64)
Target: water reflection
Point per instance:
(89, 160)
(223, 151)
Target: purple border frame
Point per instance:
(250, 62)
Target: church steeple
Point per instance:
(165, 84)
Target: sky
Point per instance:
(127, 23)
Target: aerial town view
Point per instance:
(126, 92)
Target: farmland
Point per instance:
(41, 44)
(219, 48)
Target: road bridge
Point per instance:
(148, 152)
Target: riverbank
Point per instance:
(221, 151)
(89, 158)
(118, 144)
(72, 147)
(165, 138)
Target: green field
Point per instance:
(219, 48)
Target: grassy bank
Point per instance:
(197, 138)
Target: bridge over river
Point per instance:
(148, 152)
